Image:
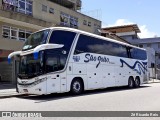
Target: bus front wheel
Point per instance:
(131, 82)
(76, 86)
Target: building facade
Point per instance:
(152, 45)
(20, 18)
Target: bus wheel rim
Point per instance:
(76, 86)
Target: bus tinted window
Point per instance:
(55, 60)
(138, 54)
(63, 37)
(36, 39)
(95, 45)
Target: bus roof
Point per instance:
(91, 34)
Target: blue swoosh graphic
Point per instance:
(141, 67)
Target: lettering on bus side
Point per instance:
(92, 58)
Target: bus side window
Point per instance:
(138, 54)
(62, 64)
(52, 63)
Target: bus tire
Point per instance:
(77, 86)
(130, 82)
(137, 82)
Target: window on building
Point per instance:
(103, 34)
(141, 46)
(15, 33)
(25, 6)
(22, 6)
(114, 32)
(51, 10)
(85, 22)
(44, 8)
(64, 18)
(69, 21)
(89, 24)
(99, 26)
(28, 33)
(9, 4)
(149, 45)
(28, 7)
(22, 35)
(158, 45)
(6, 32)
(73, 22)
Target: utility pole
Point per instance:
(156, 54)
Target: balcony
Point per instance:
(79, 4)
(20, 19)
(70, 4)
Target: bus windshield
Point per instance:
(36, 39)
(29, 67)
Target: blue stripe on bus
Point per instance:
(141, 67)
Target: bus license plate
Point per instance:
(25, 90)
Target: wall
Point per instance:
(47, 19)
(9, 44)
(55, 18)
(7, 71)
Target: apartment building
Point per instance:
(20, 18)
(127, 32)
(130, 34)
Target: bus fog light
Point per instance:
(39, 89)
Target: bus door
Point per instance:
(55, 63)
(53, 78)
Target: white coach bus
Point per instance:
(58, 59)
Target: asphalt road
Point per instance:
(145, 98)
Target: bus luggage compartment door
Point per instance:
(53, 83)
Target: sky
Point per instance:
(144, 13)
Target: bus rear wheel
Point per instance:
(76, 86)
(131, 82)
(137, 82)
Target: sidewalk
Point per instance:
(7, 90)
(153, 81)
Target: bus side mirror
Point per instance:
(13, 54)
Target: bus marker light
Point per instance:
(35, 55)
(9, 60)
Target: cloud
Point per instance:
(120, 22)
(145, 33)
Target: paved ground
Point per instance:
(145, 98)
(7, 90)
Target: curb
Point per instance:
(9, 96)
(151, 82)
